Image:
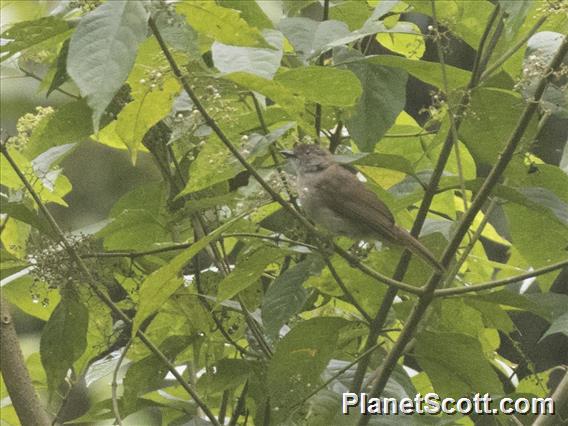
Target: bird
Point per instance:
(335, 199)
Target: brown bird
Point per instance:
(334, 198)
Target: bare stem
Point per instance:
(445, 292)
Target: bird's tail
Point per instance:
(416, 247)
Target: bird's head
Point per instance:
(309, 158)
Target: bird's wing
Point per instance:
(344, 193)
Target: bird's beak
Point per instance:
(288, 154)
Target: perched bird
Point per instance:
(334, 198)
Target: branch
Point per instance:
(320, 61)
(560, 398)
(483, 194)
(488, 73)
(15, 374)
(445, 292)
(114, 384)
(76, 257)
(210, 121)
(350, 298)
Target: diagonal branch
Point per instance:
(76, 257)
(445, 292)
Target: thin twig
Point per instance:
(320, 62)
(38, 78)
(101, 294)
(339, 373)
(445, 292)
(114, 384)
(350, 298)
(488, 73)
(273, 152)
(239, 408)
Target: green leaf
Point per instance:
(148, 373)
(559, 325)
(300, 358)
(31, 297)
(63, 339)
(538, 239)
(253, 60)
(309, 37)
(285, 297)
(138, 220)
(428, 72)
(226, 374)
(353, 13)
(493, 117)
(374, 159)
(248, 270)
(250, 12)
(324, 85)
(383, 98)
(411, 46)
(292, 103)
(216, 164)
(26, 34)
(103, 49)
(466, 19)
(162, 283)
(455, 364)
(177, 33)
(221, 24)
(143, 113)
(59, 69)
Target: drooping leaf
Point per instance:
(309, 37)
(139, 116)
(498, 111)
(33, 298)
(324, 85)
(63, 339)
(285, 297)
(138, 220)
(103, 49)
(251, 12)
(248, 270)
(221, 24)
(455, 364)
(383, 98)
(260, 61)
(26, 34)
(162, 283)
(428, 72)
(227, 374)
(299, 360)
(148, 373)
(411, 46)
(559, 325)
